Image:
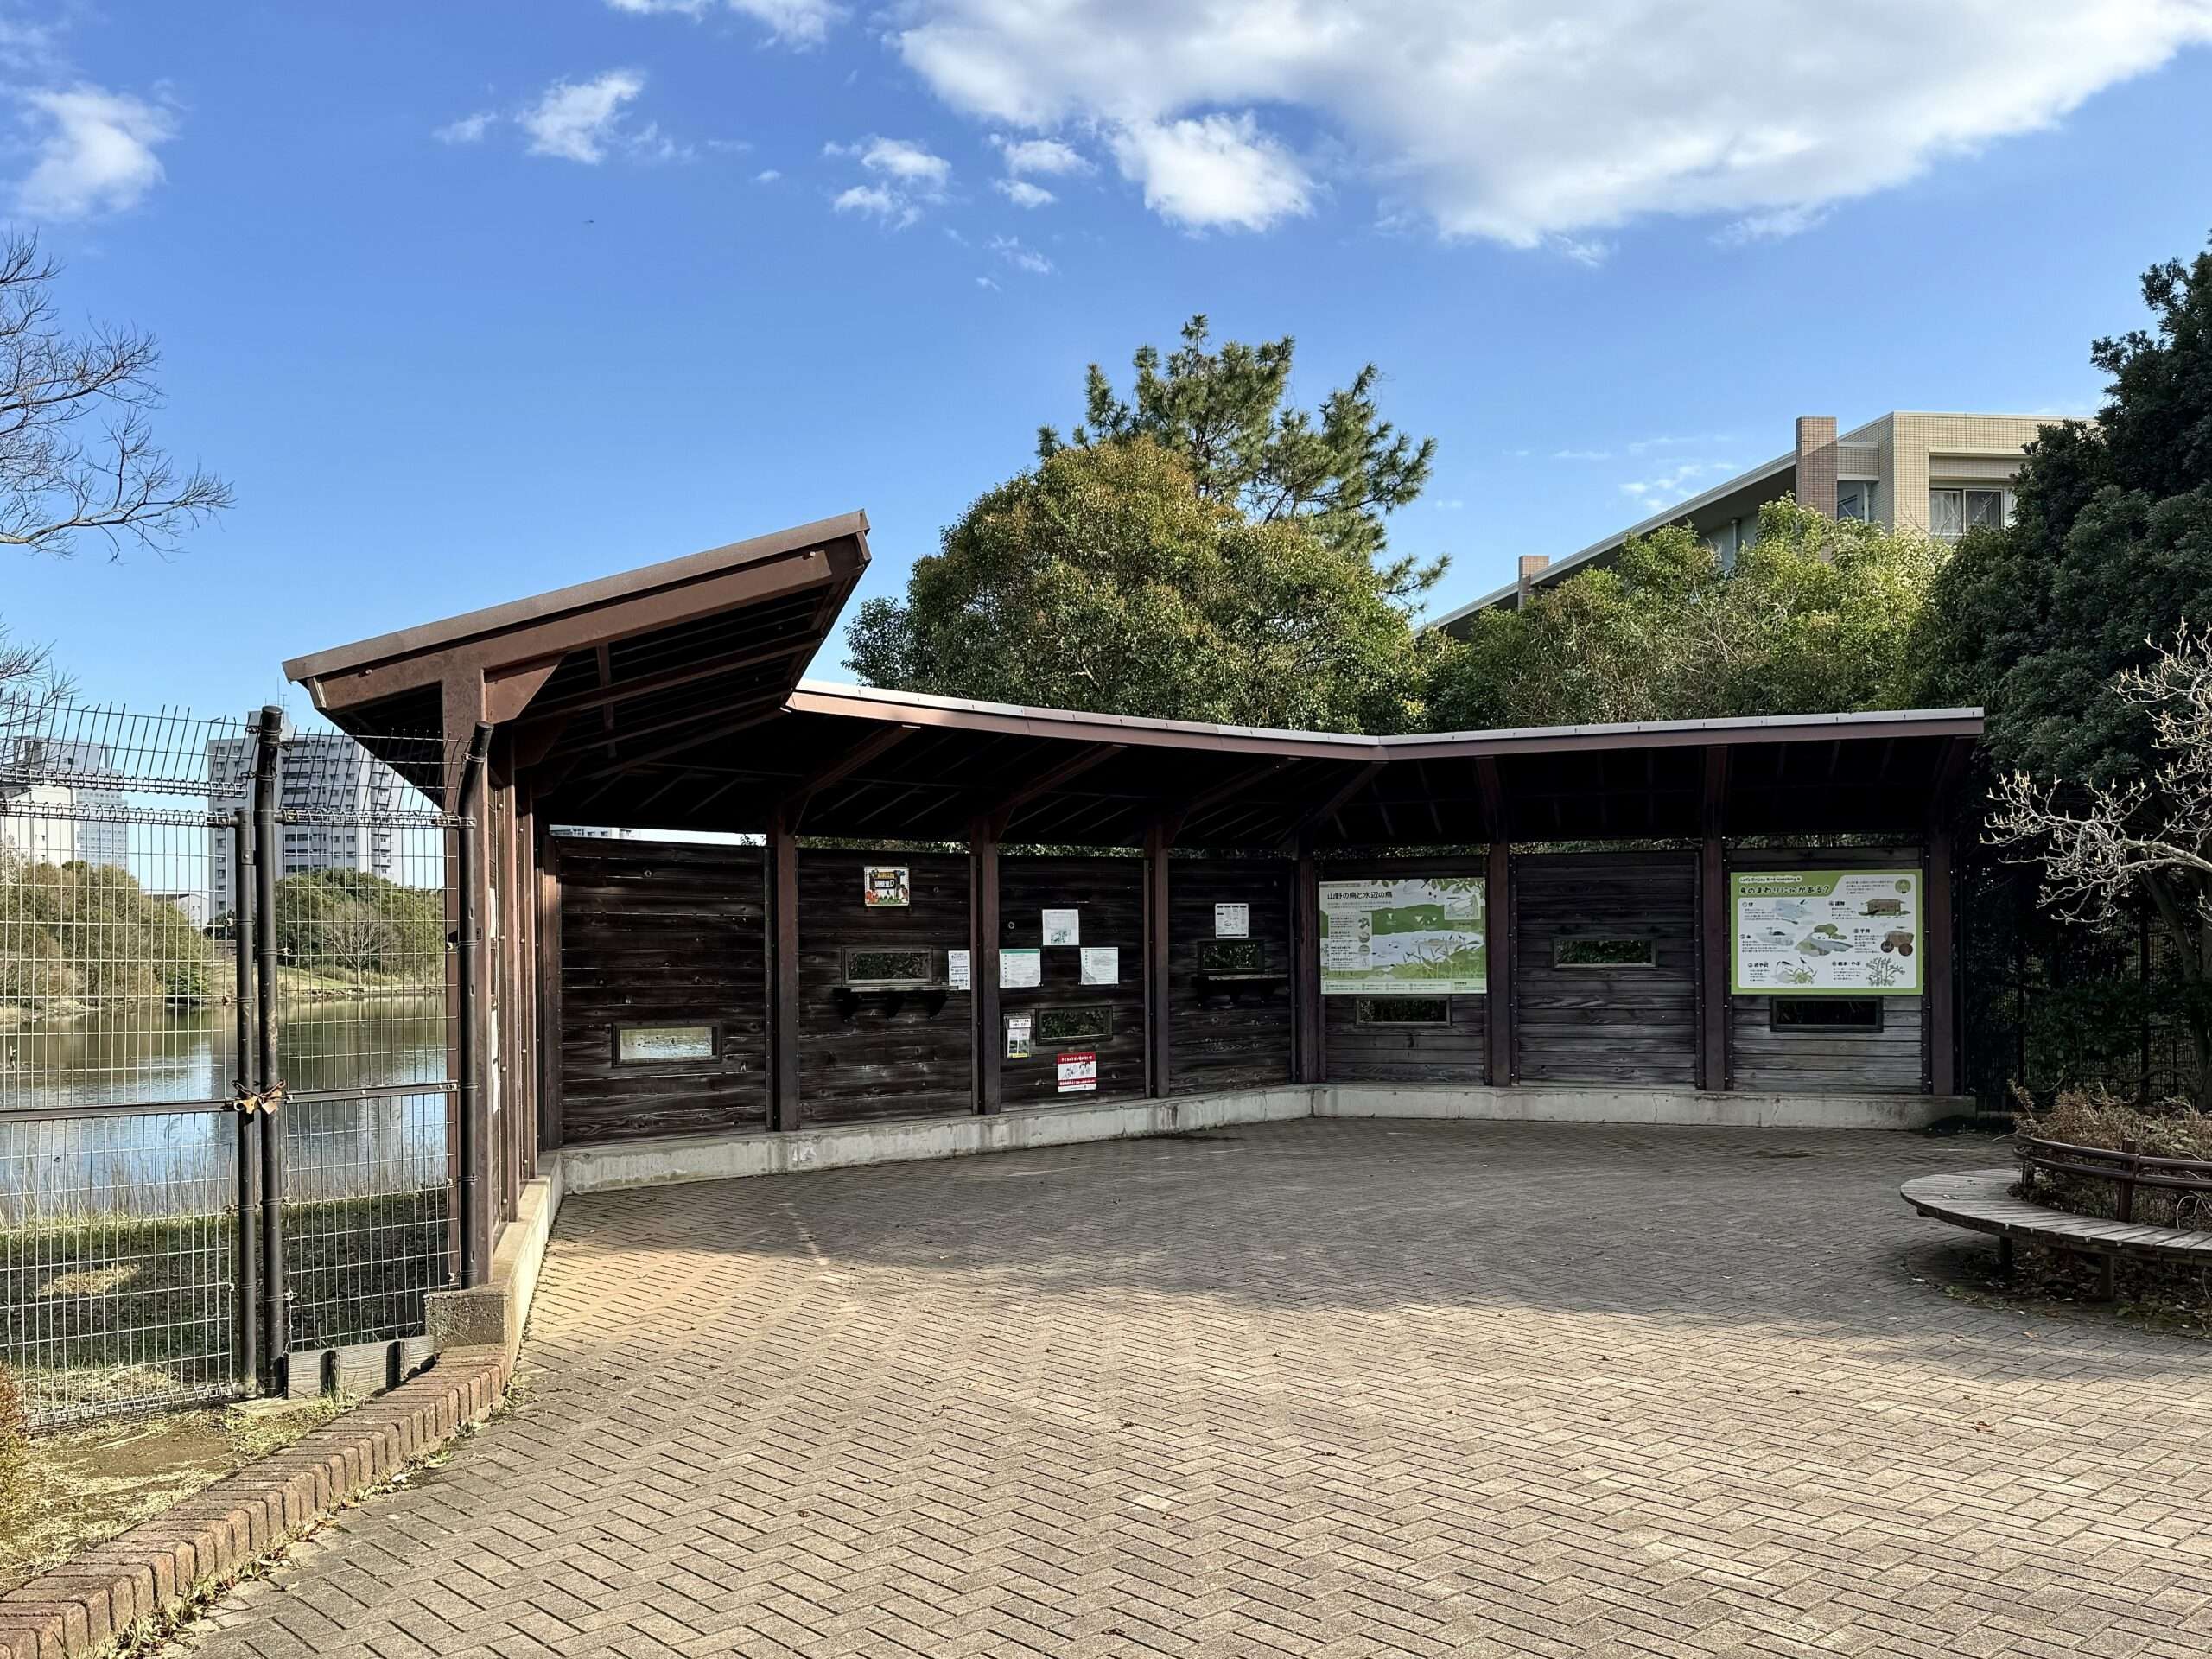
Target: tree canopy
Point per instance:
(1228, 416)
(1106, 580)
(1813, 618)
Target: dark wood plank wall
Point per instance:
(884, 1054)
(1629, 1024)
(1216, 1042)
(656, 932)
(1109, 892)
(1826, 1060)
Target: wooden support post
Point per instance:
(1939, 966)
(1498, 930)
(987, 1039)
(1308, 1054)
(784, 1111)
(550, 1129)
(1714, 930)
(1158, 1017)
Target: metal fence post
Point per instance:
(475, 1234)
(247, 1083)
(268, 855)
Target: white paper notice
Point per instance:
(1232, 921)
(1021, 971)
(1064, 927)
(956, 970)
(1102, 964)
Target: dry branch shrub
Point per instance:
(14, 1430)
(2090, 1117)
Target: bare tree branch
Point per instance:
(60, 482)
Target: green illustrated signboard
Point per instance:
(1826, 932)
(1411, 935)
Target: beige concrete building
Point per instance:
(1942, 474)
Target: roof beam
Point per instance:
(722, 727)
(999, 812)
(611, 691)
(791, 807)
(1310, 820)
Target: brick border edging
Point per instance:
(86, 1604)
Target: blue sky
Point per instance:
(471, 301)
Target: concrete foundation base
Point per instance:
(722, 1157)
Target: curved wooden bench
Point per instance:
(1982, 1199)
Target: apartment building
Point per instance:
(58, 803)
(1941, 475)
(339, 799)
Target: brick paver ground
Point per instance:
(1315, 1388)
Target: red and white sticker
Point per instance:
(1079, 1073)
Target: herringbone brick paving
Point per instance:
(1324, 1388)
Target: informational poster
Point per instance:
(1078, 1073)
(1102, 964)
(885, 884)
(1232, 921)
(1021, 971)
(1017, 1035)
(1826, 932)
(1064, 927)
(956, 970)
(1405, 936)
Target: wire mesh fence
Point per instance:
(224, 1041)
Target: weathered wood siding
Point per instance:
(1109, 892)
(1217, 1041)
(879, 1054)
(657, 933)
(1826, 1060)
(1599, 1025)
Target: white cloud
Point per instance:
(874, 202)
(579, 121)
(469, 130)
(1582, 455)
(1687, 479)
(903, 178)
(986, 281)
(1536, 125)
(795, 22)
(1022, 193)
(1217, 172)
(1021, 257)
(1046, 156)
(95, 151)
(766, 175)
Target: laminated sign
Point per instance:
(1232, 921)
(1017, 1036)
(885, 884)
(1826, 932)
(1063, 927)
(1407, 936)
(1102, 964)
(1079, 1072)
(956, 970)
(1021, 971)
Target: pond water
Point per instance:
(143, 1164)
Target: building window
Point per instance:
(1605, 953)
(1818, 1014)
(651, 1044)
(1855, 499)
(1954, 509)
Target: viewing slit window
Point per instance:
(1404, 1010)
(875, 970)
(658, 1045)
(1825, 1013)
(1605, 953)
(1091, 1023)
(1231, 956)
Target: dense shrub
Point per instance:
(89, 931)
(2090, 1117)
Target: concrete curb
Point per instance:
(158, 1567)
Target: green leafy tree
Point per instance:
(1105, 580)
(2111, 549)
(1814, 618)
(1228, 414)
(89, 932)
(355, 925)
